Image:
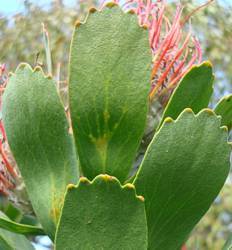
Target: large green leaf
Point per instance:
(37, 132)
(194, 91)
(102, 215)
(14, 227)
(224, 109)
(12, 241)
(183, 170)
(108, 88)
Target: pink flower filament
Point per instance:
(174, 50)
(7, 172)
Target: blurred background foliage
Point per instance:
(22, 40)
(213, 26)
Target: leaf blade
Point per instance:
(183, 170)
(19, 228)
(37, 132)
(194, 91)
(109, 85)
(102, 215)
(224, 109)
(12, 241)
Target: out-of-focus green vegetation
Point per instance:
(213, 26)
(21, 40)
(216, 225)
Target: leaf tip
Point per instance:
(168, 120)
(106, 177)
(209, 111)
(141, 198)
(129, 186)
(131, 11)
(11, 74)
(23, 66)
(92, 10)
(224, 128)
(228, 98)
(111, 5)
(40, 70)
(84, 180)
(37, 69)
(78, 24)
(71, 186)
(208, 64)
(145, 26)
(188, 110)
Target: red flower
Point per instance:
(174, 51)
(7, 172)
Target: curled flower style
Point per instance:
(174, 50)
(7, 171)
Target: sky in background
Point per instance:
(9, 7)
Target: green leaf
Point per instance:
(224, 109)
(29, 220)
(12, 241)
(108, 87)
(14, 213)
(37, 132)
(19, 228)
(194, 91)
(228, 244)
(183, 170)
(102, 215)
